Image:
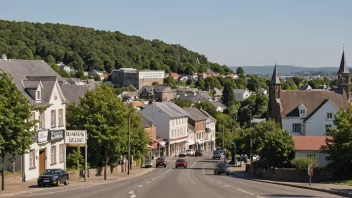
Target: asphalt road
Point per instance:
(197, 181)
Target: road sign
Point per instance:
(76, 137)
(233, 143)
(310, 170)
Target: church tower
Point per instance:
(344, 77)
(274, 94)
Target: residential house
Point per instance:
(176, 76)
(210, 128)
(217, 93)
(159, 93)
(184, 78)
(310, 146)
(129, 95)
(308, 112)
(39, 83)
(150, 129)
(65, 68)
(197, 120)
(187, 91)
(101, 74)
(263, 91)
(241, 94)
(219, 106)
(73, 93)
(198, 97)
(172, 122)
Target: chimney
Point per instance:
(3, 57)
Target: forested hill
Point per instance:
(88, 49)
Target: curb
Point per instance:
(296, 186)
(88, 184)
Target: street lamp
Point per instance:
(129, 139)
(250, 129)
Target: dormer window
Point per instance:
(55, 96)
(38, 95)
(303, 113)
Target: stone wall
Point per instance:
(12, 179)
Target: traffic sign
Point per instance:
(310, 170)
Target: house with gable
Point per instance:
(308, 112)
(40, 85)
(210, 129)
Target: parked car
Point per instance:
(182, 154)
(190, 152)
(216, 155)
(53, 177)
(199, 153)
(221, 168)
(181, 162)
(161, 161)
(148, 163)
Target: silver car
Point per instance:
(216, 155)
(148, 163)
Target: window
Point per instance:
(311, 155)
(303, 112)
(32, 159)
(327, 128)
(61, 153)
(38, 95)
(61, 118)
(53, 118)
(329, 115)
(297, 128)
(53, 154)
(42, 121)
(55, 96)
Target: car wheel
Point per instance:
(185, 166)
(156, 166)
(165, 166)
(66, 182)
(39, 185)
(58, 182)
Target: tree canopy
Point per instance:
(87, 49)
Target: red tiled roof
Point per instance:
(309, 143)
(175, 75)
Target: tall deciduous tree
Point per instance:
(339, 145)
(239, 71)
(16, 127)
(104, 116)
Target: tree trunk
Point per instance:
(106, 163)
(3, 173)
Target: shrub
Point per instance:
(302, 163)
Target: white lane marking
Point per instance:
(260, 197)
(194, 182)
(219, 182)
(132, 195)
(211, 179)
(148, 182)
(140, 186)
(152, 179)
(245, 192)
(227, 186)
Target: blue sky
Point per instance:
(236, 33)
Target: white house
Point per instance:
(210, 129)
(65, 68)
(219, 106)
(40, 86)
(172, 122)
(98, 73)
(241, 94)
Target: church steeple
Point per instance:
(275, 78)
(343, 65)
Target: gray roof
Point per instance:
(73, 93)
(171, 109)
(218, 104)
(30, 84)
(196, 115)
(239, 91)
(199, 97)
(207, 114)
(218, 91)
(275, 78)
(21, 69)
(183, 89)
(145, 121)
(343, 65)
(157, 89)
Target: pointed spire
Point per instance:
(343, 65)
(275, 78)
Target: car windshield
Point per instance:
(148, 160)
(189, 150)
(222, 165)
(51, 171)
(180, 160)
(160, 158)
(216, 152)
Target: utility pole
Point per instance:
(129, 141)
(223, 136)
(250, 129)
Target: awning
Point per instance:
(190, 142)
(162, 144)
(149, 146)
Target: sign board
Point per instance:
(57, 135)
(310, 170)
(42, 136)
(75, 137)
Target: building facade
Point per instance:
(159, 93)
(130, 76)
(172, 123)
(308, 112)
(197, 120)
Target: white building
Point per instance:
(64, 67)
(40, 85)
(241, 94)
(172, 122)
(210, 129)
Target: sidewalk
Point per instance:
(342, 190)
(31, 186)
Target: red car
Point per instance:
(181, 162)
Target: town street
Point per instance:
(197, 180)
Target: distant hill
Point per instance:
(284, 69)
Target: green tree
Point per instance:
(200, 84)
(339, 144)
(208, 107)
(183, 102)
(228, 94)
(299, 81)
(291, 84)
(254, 84)
(104, 116)
(274, 145)
(239, 71)
(16, 128)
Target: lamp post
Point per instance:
(129, 140)
(250, 129)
